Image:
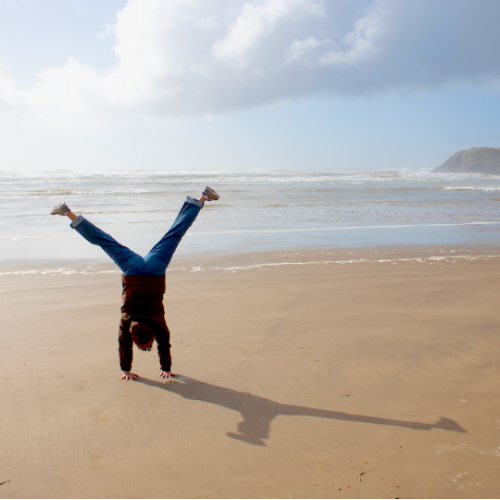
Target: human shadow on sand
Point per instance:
(258, 412)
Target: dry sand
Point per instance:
(375, 378)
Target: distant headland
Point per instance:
(474, 160)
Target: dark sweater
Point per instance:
(142, 301)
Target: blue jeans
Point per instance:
(155, 263)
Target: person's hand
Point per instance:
(129, 376)
(167, 374)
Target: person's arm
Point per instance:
(163, 342)
(125, 350)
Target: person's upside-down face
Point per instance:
(146, 347)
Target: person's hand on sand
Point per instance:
(167, 374)
(129, 376)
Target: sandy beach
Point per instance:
(311, 374)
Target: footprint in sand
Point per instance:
(81, 386)
(101, 417)
(95, 464)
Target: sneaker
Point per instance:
(210, 194)
(61, 209)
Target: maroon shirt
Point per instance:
(142, 301)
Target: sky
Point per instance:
(191, 85)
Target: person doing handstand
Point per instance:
(143, 315)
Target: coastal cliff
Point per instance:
(474, 160)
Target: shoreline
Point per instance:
(248, 260)
(25, 254)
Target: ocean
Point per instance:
(258, 211)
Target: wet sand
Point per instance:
(333, 374)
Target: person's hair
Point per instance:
(141, 334)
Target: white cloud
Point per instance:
(9, 95)
(359, 43)
(299, 48)
(254, 23)
(107, 30)
(191, 58)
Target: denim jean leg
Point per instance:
(129, 262)
(158, 259)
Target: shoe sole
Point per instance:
(212, 195)
(61, 209)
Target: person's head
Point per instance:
(142, 335)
